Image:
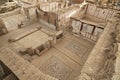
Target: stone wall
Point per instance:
(116, 75)
(99, 12)
(50, 19)
(100, 64)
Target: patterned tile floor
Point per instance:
(75, 47)
(56, 68)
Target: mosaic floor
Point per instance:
(77, 48)
(56, 68)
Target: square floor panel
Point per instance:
(56, 68)
(77, 48)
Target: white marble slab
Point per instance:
(91, 9)
(96, 12)
(98, 32)
(73, 23)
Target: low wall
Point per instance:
(16, 11)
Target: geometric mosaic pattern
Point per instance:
(56, 68)
(77, 48)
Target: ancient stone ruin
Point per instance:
(59, 39)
